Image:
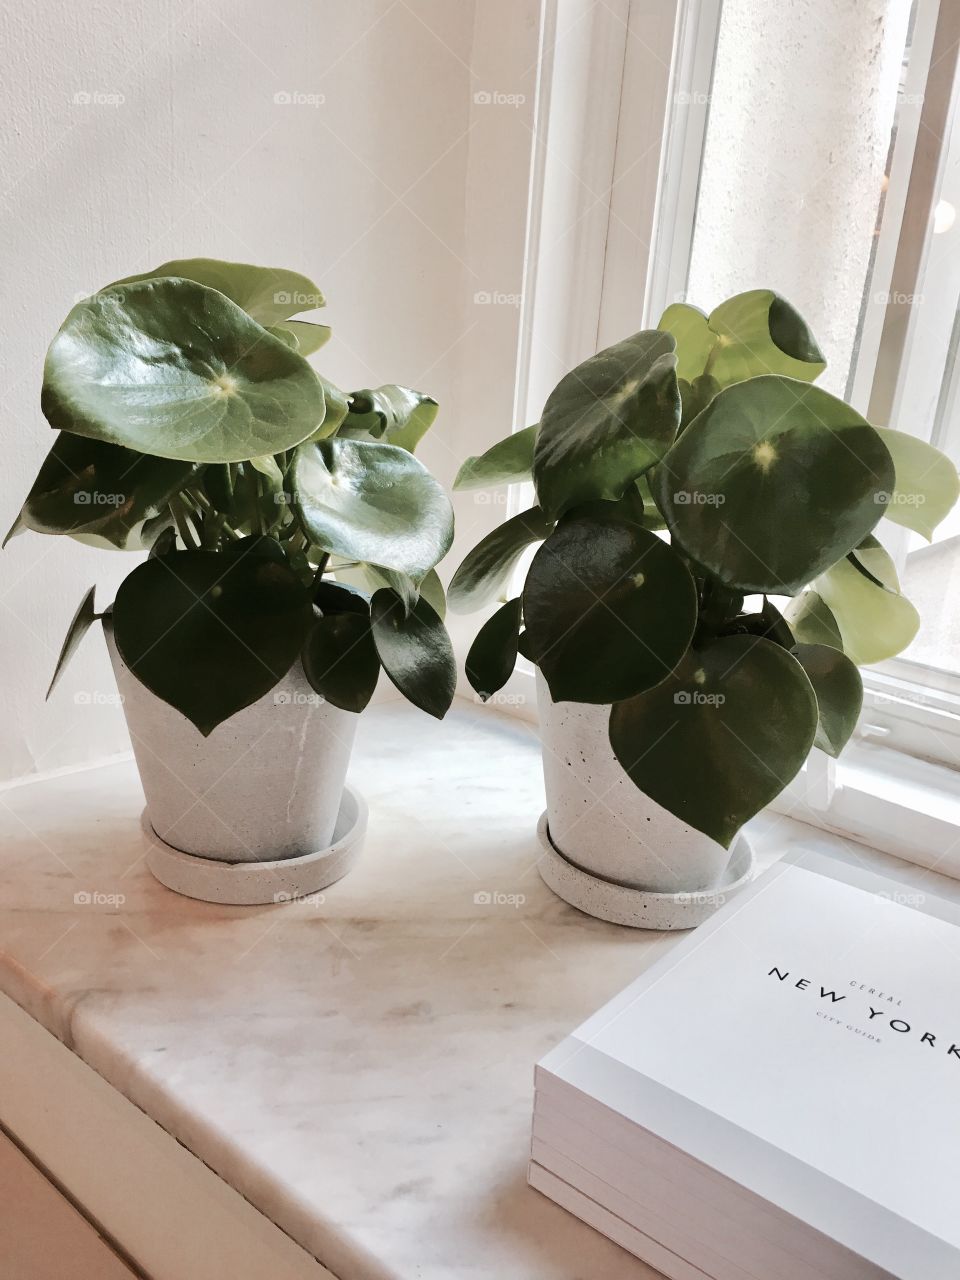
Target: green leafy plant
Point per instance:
(687, 478)
(191, 425)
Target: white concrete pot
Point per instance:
(599, 821)
(265, 785)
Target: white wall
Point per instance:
(132, 133)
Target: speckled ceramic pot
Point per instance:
(601, 822)
(265, 785)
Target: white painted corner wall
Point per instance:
(381, 146)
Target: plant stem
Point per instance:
(179, 511)
(208, 508)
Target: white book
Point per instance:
(791, 1070)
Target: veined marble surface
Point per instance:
(359, 1067)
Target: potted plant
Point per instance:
(687, 479)
(191, 425)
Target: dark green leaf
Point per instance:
(606, 422)
(340, 597)
(174, 369)
(372, 502)
(340, 659)
(695, 396)
(507, 462)
(485, 572)
(772, 483)
(83, 619)
(86, 486)
(609, 609)
(211, 632)
(415, 651)
(721, 736)
(268, 294)
(839, 689)
(493, 654)
(395, 415)
(375, 576)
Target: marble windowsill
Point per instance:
(360, 1069)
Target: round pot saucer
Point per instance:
(244, 884)
(637, 908)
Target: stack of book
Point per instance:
(779, 1097)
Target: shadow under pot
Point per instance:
(256, 812)
(611, 851)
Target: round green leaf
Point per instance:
(812, 622)
(340, 659)
(395, 415)
(308, 337)
(927, 484)
(268, 294)
(373, 502)
(508, 462)
(486, 570)
(171, 368)
(86, 486)
(760, 333)
(839, 689)
(210, 632)
(694, 337)
(415, 651)
(875, 622)
(606, 422)
(721, 736)
(609, 609)
(493, 654)
(772, 483)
